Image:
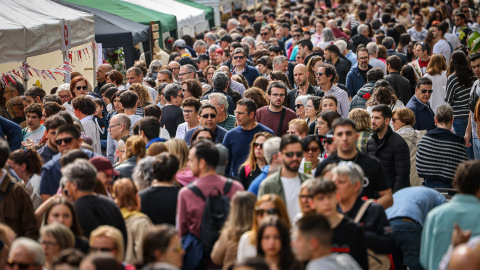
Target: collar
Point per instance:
(234, 70)
(420, 105)
(154, 140)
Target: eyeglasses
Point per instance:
(291, 154)
(183, 74)
(298, 106)
(112, 126)
(313, 149)
(188, 111)
(297, 35)
(102, 249)
(47, 243)
(264, 34)
(261, 212)
(211, 115)
(12, 264)
(65, 140)
(255, 145)
(278, 95)
(425, 91)
(81, 87)
(238, 57)
(319, 74)
(394, 119)
(237, 112)
(363, 58)
(304, 197)
(204, 138)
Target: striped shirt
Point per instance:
(343, 101)
(458, 96)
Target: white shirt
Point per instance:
(417, 36)
(35, 135)
(245, 249)
(91, 131)
(182, 130)
(443, 47)
(291, 188)
(439, 83)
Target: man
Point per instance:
(312, 242)
(207, 116)
(202, 64)
(25, 251)
(407, 217)
(186, 72)
(34, 131)
(266, 33)
(362, 37)
(342, 65)
(251, 44)
(244, 20)
(172, 114)
(212, 54)
(349, 54)
(50, 148)
(280, 63)
(16, 209)
(149, 129)
(135, 75)
(105, 171)
(129, 101)
(389, 43)
(344, 19)
(472, 125)
(390, 148)
(373, 76)
(235, 89)
(236, 139)
(119, 127)
(275, 116)
(460, 22)
(67, 138)
(464, 257)
(442, 46)
(372, 49)
(232, 24)
(164, 76)
(84, 108)
(422, 51)
(332, 24)
(287, 181)
(326, 76)
(210, 39)
(239, 59)
(357, 76)
(225, 42)
(101, 73)
(12, 132)
(437, 170)
(174, 66)
(420, 105)
(202, 160)
(463, 209)
(220, 82)
(181, 48)
(93, 210)
(305, 47)
(224, 119)
(300, 74)
(271, 148)
(191, 107)
(417, 32)
(399, 83)
(11, 91)
(200, 47)
(34, 95)
(271, 18)
(259, 17)
(346, 136)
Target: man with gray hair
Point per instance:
(349, 54)
(25, 251)
(80, 179)
(119, 127)
(271, 149)
(186, 72)
(232, 24)
(362, 37)
(251, 42)
(212, 53)
(220, 82)
(280, 63)
(224, 120)
(200, 47)
(239, 60)
(210, 39)
(372, 49)
(172, 114)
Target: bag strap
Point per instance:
(3, 194)
(415, 134)
(362, 210)
(196, 191)
(282, 118)
(228, 186)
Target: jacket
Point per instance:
(402, 56)
(273, 184)
(394, 156)
(224, 251)
(249, 72)
(424, 116)
(355, 81)
(358, 101)
(412, 137)
(359, 39)
(13, 132)
(137, 224)
(400, 85)
(126, 168)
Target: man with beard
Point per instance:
(441, 44)
(357, 76)
(341, 64)
(276, 116)
(287, 181)
(300, 74)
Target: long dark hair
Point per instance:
(460, 66)
(76, 229)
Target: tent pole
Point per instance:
(94, 50)
(25, 80)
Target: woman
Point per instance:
(239, 221)
(162, 249)
(116, 78)
(329, 103)
(317, 37)
(311, 109)
(257, 95)
(126, 198)
(144, 97)
(298, 127)
(403, 18)
(384, 95)
(273, 244)
(27, 164)
(100, 261)
(179, 148)
(240, 79)
(136, 150)
(261, 82)
(409, 73)
(109, 239)
(280, 76)
(202, 133)
(303, 198)
(312, 67)
(252, 167)
(325, 121)
(54, 238)
(437, 72)
(63, 92)
(192, 88)
(382, 53)
(209, 74)
(403, 120)
(50, 108)
(312, 147)
(268, 204)
(363, 123)
(264, 65)
(117, 105)
(300, 103)
(78, 87)
(159, 200)
(327, 38)
(459, 84)
(191, 107)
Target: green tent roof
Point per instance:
(208, 10)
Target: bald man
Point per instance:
(300, 75)
(464, 258)
(102, 71)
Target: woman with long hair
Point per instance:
(459, 83)
(384, 95)
(136, 150)
(209, 74)
(179, 148)
(437, 72)
(78, 87)
(312, 148)
(116, 78)
(312, 67)
(327, 38)
(280, 76)
(311, 110)
(409, 73)
(261, 82)
(325, 120)
(162, 248)
(54, 238)
(144, 97)
(252, 167)
(239, 221)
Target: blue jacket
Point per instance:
(255, 185)
(250, 74)
(424, 116)
(355, 81)
(13, 132)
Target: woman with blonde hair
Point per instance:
(363, 123)
(136, 150)
(54, 238)
(266, 205)
(437, 72)
(252, 167)
(109, 239)
(239, 221)
(179, 148)
(144, 97)
(298, 127)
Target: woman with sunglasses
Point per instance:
(54, 238)
(162, 248)
(312, 148)
(252, 167)
(300, 103)
(109, 239)
(78, 87)
(266, 205)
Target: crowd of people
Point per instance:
(309, 135)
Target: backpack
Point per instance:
(217, 207)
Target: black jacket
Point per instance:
(293, 94)
(358, 101)
(394, 156)
(342, 66)
(359, 39)
(126, 168)
(400, 85)
(402, 56)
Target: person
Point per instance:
(472, 127)
(98, 261)
(255, 162)
(399, 83)
(239, 221)
(224, 119)
(236, 139)
(155, 111)
(374, 75)
(442, 46)
(312, 242)
(389, 44)
(109, 239)
(437, 167)
(326, 77)
(26, 252)
(149, 130)
(417, 31)
(266, 205)
(419, 104)
(461, 209)
(78, 87)
(12, 89)
(345, 136)
(407, 216)
(363, 123)
(159, 200)
(116, 78)
(390, 148)
(101, 76)
(84, 108)
(54, 238)
(357, 76)
(221, 83)
(34, 95)
(373, 51)
(207, 116)
(118, 128)
(180, 149)
(67, 258)
(129, 102)
(135, 75)
(437, 73)
(312, 147)
(190, 107)
(347, 237)
(420, 65)
(137, 223)
(286, 182)
(27, 165)
(342, 65)
(34, 131)
(12, 132)
(172, 114)
(186, 72)
(135, 150)
(239, 58)
(162, 248)
(298, 127)
(312, 108)
(276, 116)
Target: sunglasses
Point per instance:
(425, 91)
(319, 74)
(297, 35)
(264, 34)
(255, 145)
(298, 106)
(12, 264)
(95, 249)
(291, 154)
(328, 141)
(238, 57)
(261, 212)
(313, 149)
(81, 87)
(65, 140)
(211, 115)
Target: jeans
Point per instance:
(476, 148)
(435, 183)
(407, 235)
(460, 126)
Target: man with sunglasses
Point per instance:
(287, 181)
(240, 66)
(25, 254)
(207, 115)
(420, 105)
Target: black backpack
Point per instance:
(217, 207)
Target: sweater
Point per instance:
(272, 119)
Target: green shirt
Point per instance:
(229, 122)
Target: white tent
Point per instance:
(215, 4)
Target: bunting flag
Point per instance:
(25, 72)
(78, 53)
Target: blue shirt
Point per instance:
(154, 140)
(424, 116)
(249, 72)
(352, 57)
(255, 185)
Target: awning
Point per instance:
(215, 4)
(209, 14)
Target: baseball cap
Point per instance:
(202, 56)
(102, 164)
(227, 38)
(180, 43)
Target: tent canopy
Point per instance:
(215, 4)
(29, 28)
(209, 14)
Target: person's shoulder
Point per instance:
(263, 109)
(50, 164)
(291, 112)
(261, 127)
